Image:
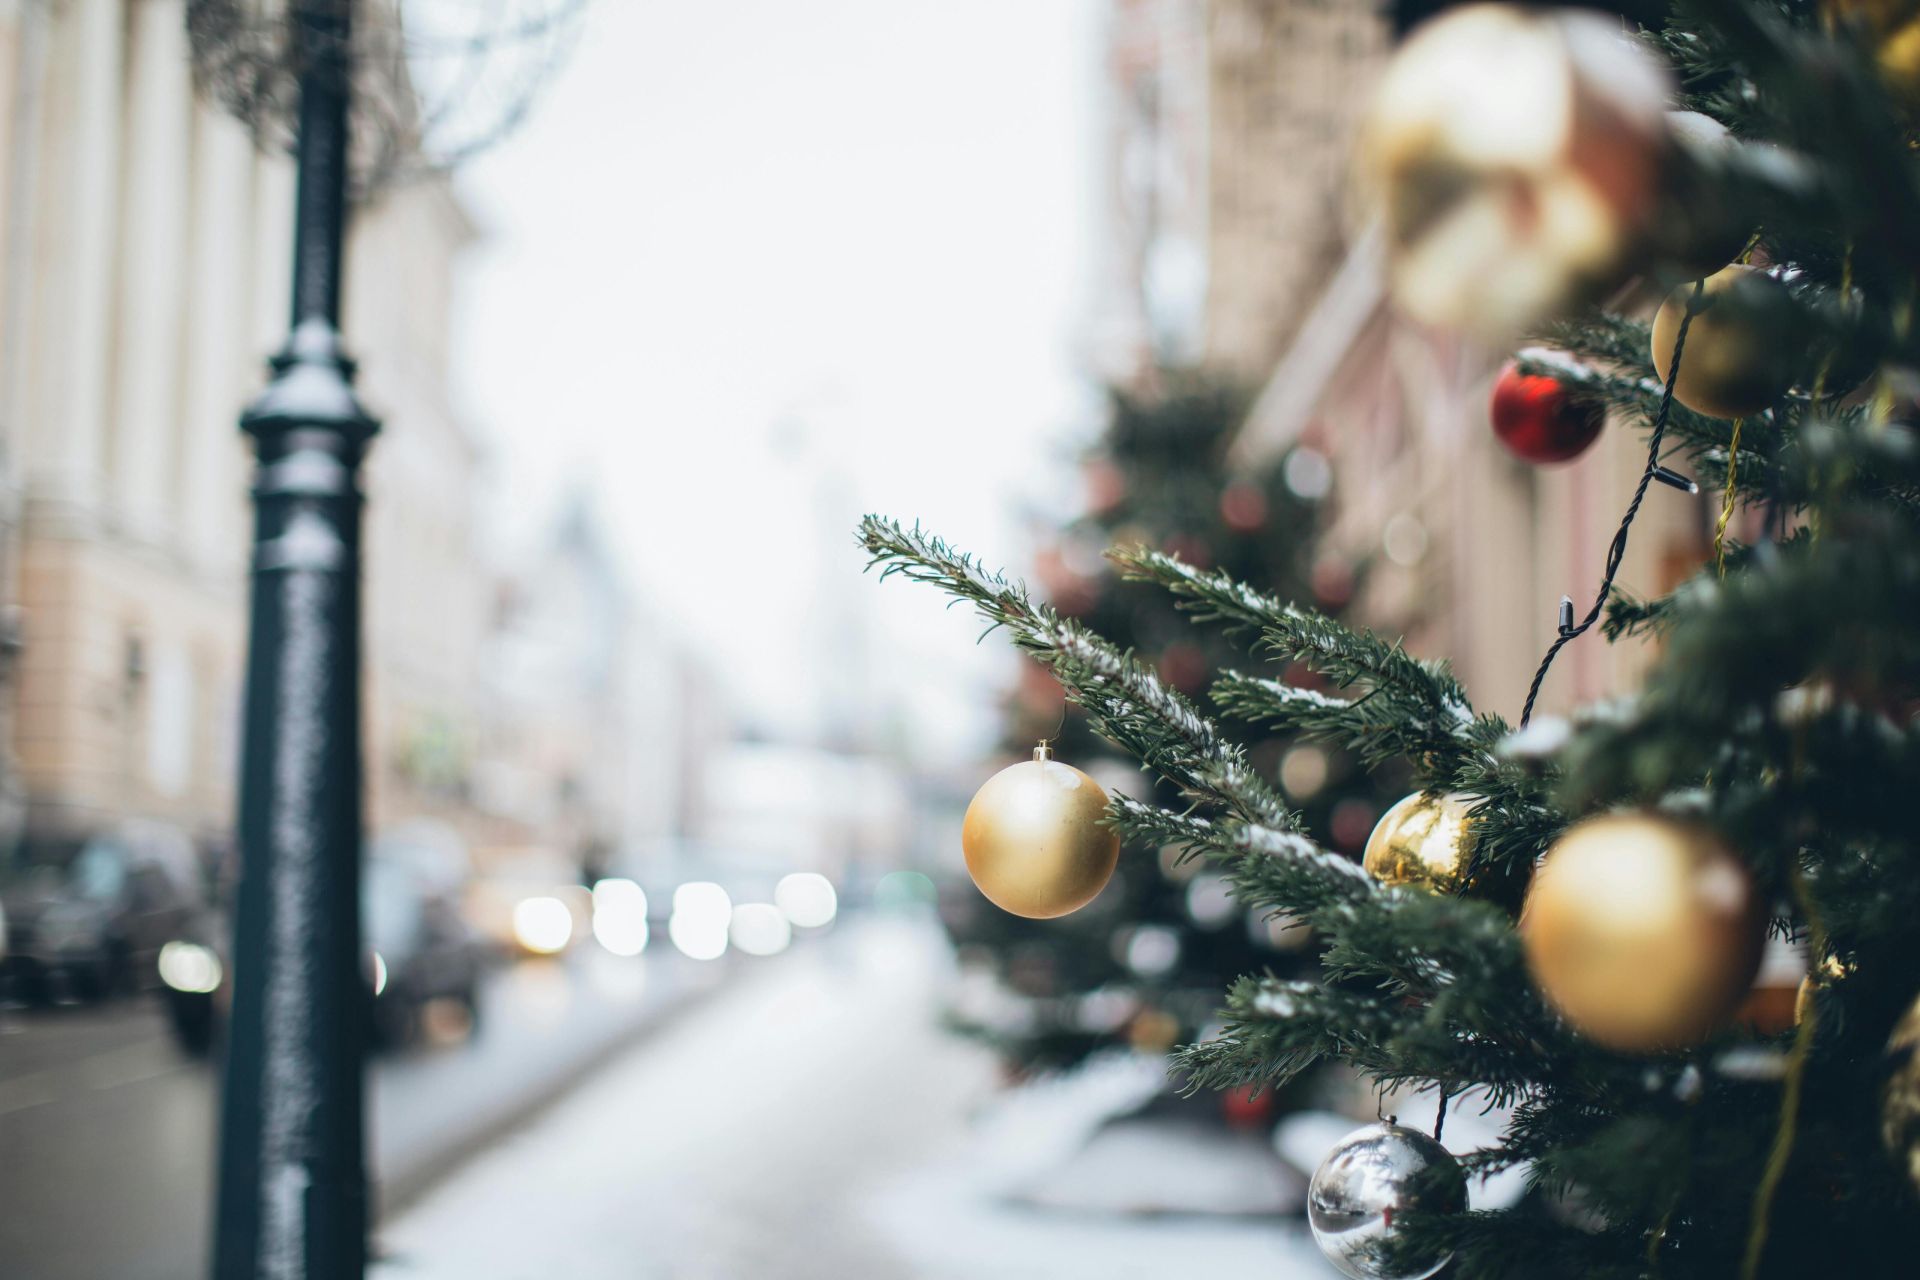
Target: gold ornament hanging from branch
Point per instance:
(1742, 347)
(1423, 840)
(1890, 31)
(1644, 931)
(1034, 838)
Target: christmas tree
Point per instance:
(1711, 222)
(1144, 963)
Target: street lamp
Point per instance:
(292, 1197)
(292, 1200)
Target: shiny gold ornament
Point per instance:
(1891, 31)
(1514, 157)
(1900, 1096)
(1643, 931)
(1422, 840)
(1741, 350)
(1034, 841)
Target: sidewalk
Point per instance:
(809, 1122)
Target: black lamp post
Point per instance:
(292, 1201)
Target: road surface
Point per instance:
(107, 1129)
(813, 1121)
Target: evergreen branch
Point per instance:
(1422, 700)
(1269, 869)
(1125, 702)
(1378, 726)
(1275, 1030)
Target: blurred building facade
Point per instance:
(1228, 130)
(145, 279)
(591, 747)
(1233, 245)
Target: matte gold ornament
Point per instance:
(1642, 930)
(1422, 840)
(1034, 841)
(1514, 157)
(1900, 1096)
(1741, 351)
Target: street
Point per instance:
(813, 1121)
(807, 1117)
(108, 1127)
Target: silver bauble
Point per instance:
(1366, 1183)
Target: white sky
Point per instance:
(752, 269)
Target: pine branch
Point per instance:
(1269, 868)
(1405, 706)
(1125, 702)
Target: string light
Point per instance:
(1618, 549)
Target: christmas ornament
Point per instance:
(1515, 158)
(1741, 350)
(1538, 421)
(1422, 840)
(1643, 931)
(1366, 1183)
(1900, 1096)
(1890, 30)
(1033, 838)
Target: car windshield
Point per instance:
(99, 871)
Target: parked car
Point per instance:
(88, 917)
(419, 950)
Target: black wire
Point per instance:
(1617, 550)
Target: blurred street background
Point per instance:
(675, 968)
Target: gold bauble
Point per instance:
(1741, 352)
(1891, 30)
(1900, 1096)
(1034, 841)
(1643, 931)
(1422, 840)
(1514, 158)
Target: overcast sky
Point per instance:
(754, 268)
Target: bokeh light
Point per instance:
(542, 925)
(189, 967)
(620, 916)
(760, 929)
(807, 899)
(698, 926)
(904, 891)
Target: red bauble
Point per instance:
(1536, 419)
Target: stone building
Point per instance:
(145, 279)
(1233, 244)
(1229, 127)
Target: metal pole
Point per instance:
(292, 1201)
